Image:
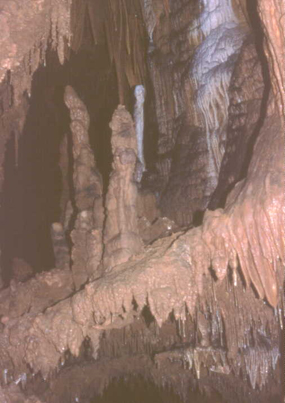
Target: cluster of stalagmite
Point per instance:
(88, 187)
(122, 235)
(60, 230)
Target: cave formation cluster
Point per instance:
(174, 269)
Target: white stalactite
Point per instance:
(139, 125)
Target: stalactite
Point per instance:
(60, 26)
(87, 234)
(121, 236)
(139, 125)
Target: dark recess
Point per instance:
(31, 192)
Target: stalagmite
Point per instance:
(121, 235)
(21, 270)
(60, 230)
(65, 199)
(60, 246)
(87, 234)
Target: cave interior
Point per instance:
(141, 201)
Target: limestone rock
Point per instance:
(121, 236)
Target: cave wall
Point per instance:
(191, 98)
(248, 97)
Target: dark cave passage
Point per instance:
(31, 192)
(33, 183)
(33, 180)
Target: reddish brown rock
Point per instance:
(160, 228)
(87, 234)
(121, 236)
(64, 164)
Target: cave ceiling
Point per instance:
(168, 231)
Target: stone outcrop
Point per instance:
(121, 235)
(87, 181)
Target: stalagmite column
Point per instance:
(87, 233)
(60, 246)
(64, 165)
(121, 237)
(66, 205)
(59, 229)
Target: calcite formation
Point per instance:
(64, 165)
(121, 235)
(198, 307)
(139, 125)
(60, 246)
(224, 36)
(87, 233)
